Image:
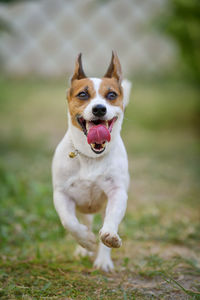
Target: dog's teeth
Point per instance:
(93, 145)
(87, 125)
(107, 124)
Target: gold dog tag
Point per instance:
(73, 154)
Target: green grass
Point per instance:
(160, 257)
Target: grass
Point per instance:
(160, 257)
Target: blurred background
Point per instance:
(45, 36)
(158, 44)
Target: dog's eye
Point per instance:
(83, 96)
(111, 96)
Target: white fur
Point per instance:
(87, 179)
(126, 84)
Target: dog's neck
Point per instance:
(79, 140)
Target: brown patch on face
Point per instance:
(76, 105)
(112, 85)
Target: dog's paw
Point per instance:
(82, 252)
(86, 238)
(111, 240)
(104, 264)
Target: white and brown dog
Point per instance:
(90, 165)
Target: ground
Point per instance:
(160, 255)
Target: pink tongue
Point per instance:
(98, 134)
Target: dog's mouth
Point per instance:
(97, 132)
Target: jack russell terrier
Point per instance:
(90, 165)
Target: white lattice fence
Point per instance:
(47, 35)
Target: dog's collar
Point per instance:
(75, 153)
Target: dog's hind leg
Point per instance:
(87, 219)
(103, 260)
(82, 252)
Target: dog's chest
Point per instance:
(89, 197)
(85, 187)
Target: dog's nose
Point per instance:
(99, 110)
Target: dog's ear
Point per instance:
(114, 69)
(78, 71)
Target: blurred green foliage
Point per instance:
(182, 23)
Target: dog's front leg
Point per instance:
(115, 210)
(66, 210)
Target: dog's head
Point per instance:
(96, 105)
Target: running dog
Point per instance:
(90, 165)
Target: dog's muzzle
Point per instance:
(98, 131)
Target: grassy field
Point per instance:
(160, 256)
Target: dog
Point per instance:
(90, 165)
